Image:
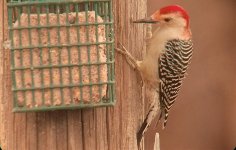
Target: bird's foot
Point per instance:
(130, 59)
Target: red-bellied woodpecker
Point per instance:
(167, 59)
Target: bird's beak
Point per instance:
(146, 20)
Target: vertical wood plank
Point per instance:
(61, 130)
(129, 109)
(31, 131)
(20, 131)
(5, 89)
(47, 130)
(88, 126)
(75, 141)
(51, 130)
(2, 121)
(42, 123)
(101, 129)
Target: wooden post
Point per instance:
(4, 75)
(157, 142)
(112, 128)
(127, 115)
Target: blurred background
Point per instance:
(204, 115)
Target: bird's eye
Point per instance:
(167, 19)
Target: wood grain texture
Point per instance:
(19, 131)
(111, 128)
(44, 123)
(101, 129)
(61, 132)
(75, 140)
(2, 127)
(88, 123)
(31, 134)
(126, 117)
(5, 88)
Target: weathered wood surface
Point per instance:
(112, 128)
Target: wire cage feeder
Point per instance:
(62, 54)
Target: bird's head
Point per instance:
(169, 16)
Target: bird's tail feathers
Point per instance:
(153, 111)
(165, 119)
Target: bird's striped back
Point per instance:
(173, 63)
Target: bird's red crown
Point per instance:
(177, 9)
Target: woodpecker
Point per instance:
(167, 59)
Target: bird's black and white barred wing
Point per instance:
(173, 64)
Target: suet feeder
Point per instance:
(62, 54)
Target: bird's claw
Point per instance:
(130, 59)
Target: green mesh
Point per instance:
(62, 54)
